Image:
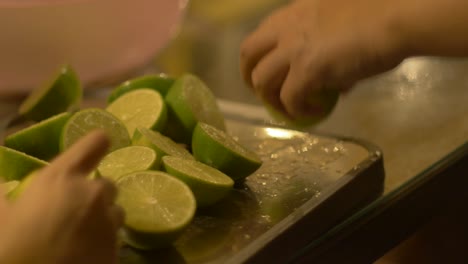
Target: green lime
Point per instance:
(41, 140)
(94, 175)
(208, 184)
(221, 151)
(140, 108)
(15, 165)
(59, 95)
(158, 208)
(160, 83)
(126, 160)
(23, 184)
(191, 101)
(325, 101)
(161, 144)
(9, 187)
(85, 121)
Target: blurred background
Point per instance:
(209, 40)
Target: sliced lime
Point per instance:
(208, 184)
(23, 184)
(191, 101)
(41, 140)
(158, 82)
(325, 102)
(15, 165)
(140, 108)
(61, 94)
(158, 207)
(161, 144)
(219, 150)
(85, 121)
(9, 187)
(126, 160)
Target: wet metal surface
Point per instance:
(297, 170)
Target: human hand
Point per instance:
(63, 217)
(311, 45)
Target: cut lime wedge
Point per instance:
(126, 160)
(40, 140)
(61, 94)
(158, 82)
(23, 184)
(208, 184)
(85, 121)
(9, 187)
(324, 101)
(15, 165)
(191, 101)
(161, 144)
(140, 108)
(158, 207)
(219, 150)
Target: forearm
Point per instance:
(432, 27)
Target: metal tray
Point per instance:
(307, 184)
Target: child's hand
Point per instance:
(311, 45)
(63, 217)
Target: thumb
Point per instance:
(82, 157)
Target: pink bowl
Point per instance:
(101, 39)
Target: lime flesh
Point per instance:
(325, 101)
(9, 187)
(127, 160)
(158, 207)
(161, 144)
(216, 148)
(85, 121)
(157, 82)
(208, 184)
(140, 108)
(191, 101)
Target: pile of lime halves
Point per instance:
(170, 153)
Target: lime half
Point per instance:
(55, 97)
(191, 101)
(15, 165)
(85, 121)
(9, 187)
(219, 150)
(324, 101)
(208, 184)
(161, 144)
(140, 108)
(158, 82)
(40, 140)
(126, 160)
(23, 184)
(158, 207)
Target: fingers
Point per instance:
(106, 190)
(297, 88)
(108, 194)
(3, 201)
(82, 157)
(269, 75)
(116, 216)
(254, 47)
